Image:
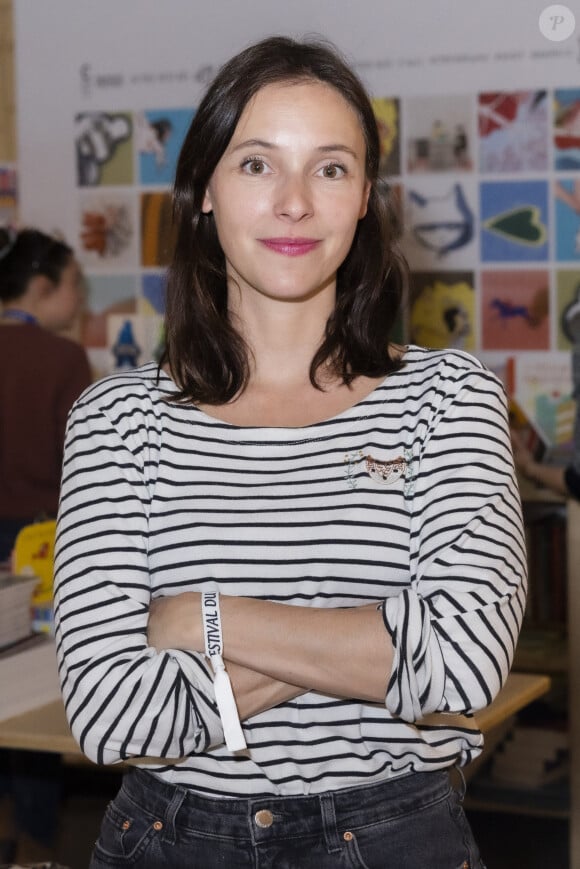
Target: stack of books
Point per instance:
(15, 607)
(34, 554)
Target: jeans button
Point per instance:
(264, 818)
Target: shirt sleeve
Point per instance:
(455, 628)
(123, 698)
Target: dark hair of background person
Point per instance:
(207, 357)
(26, 254)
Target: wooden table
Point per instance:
(46, 728)
(43, 729)
(519, 690)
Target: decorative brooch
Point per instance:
(383, 472)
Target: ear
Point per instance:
(40, 287)
(206, 205)
(365, 200)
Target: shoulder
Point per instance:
(427, 359)
(62, 360)
(125, 392)
(126, 405)
(72, 360)
(41, 342)
(445, 366)
(434, 383)
(59, 344)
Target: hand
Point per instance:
(175, 622)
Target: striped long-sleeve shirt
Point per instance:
(407, 498)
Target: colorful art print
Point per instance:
(133, 340)
(106, 295)
(446, 229)
(567, 209)
(503, 366)
(157, 229)
(107, 230)
(567, 128)
(439, 133)
(514, 221)
(515, 309)
(104, 151)
(513, 131)
(440, 219)
(388, 114)
(159, 136)
(153, 293)
(443, 310)
(543, 387)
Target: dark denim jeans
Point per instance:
(410, 823)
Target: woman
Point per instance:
(41, 374)
(353, 501)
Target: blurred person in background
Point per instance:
(41, 374)
(562, 479)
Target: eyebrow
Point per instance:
(324, 149)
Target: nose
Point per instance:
(294, 198)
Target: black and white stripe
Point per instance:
(159, 498)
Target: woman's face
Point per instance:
(289, 191)
(62, 304)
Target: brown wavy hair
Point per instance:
(207, 356)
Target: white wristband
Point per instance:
(226, 702)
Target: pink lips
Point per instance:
(291, 246)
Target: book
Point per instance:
(542, 387)
(15, 607)
(531, 435)
(34, 554)
(29, 676)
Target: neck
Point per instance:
(283, 338)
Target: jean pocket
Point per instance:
(124, 839)
(433, 836)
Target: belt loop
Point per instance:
(328, 813)
(174, 806)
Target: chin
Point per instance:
(296, 294)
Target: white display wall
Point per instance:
(480, 118)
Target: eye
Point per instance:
(254, 166)
(333, 171)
